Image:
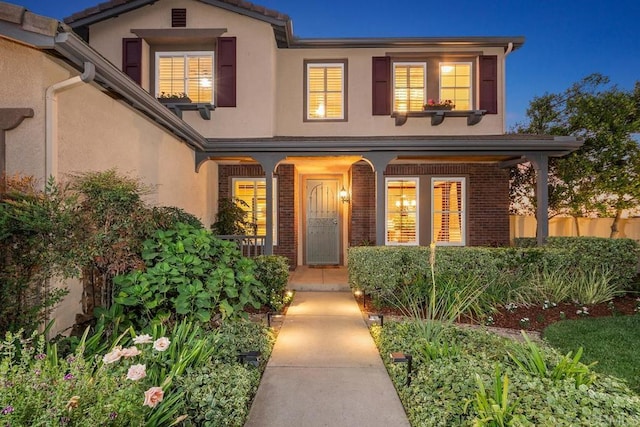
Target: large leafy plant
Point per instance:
(191, 273)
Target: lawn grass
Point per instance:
(611, 341)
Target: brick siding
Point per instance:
(287, 224)
(487, 195)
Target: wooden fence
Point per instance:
(525, 226)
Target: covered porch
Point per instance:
(325, 163)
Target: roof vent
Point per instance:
(178, 17)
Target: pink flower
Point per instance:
(161, 344)
(130, 352)
(153, 396)
(137, 372)
(143, 339)
(113, 356)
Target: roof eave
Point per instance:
(409, 42)
(110, 77)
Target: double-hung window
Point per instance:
(448, 209)
(189, 73)
(325, 91)
(455, 84)
(402, 211)
(409, 86)
(253, 192)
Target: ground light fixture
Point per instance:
(360, 293)
(250, 358)
(377, 318)
(400, 357)
(272, 315)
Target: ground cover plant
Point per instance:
(612, 342)
(163, 347)
(446, 391)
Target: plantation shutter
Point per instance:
(381, 92)
(489, 84)
(226, 72)
(132, 58)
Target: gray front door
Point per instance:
(322, 230)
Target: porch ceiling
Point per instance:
(502, 148)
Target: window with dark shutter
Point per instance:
(226, 72)
(489, 84)
(381, 91)
(178, 17)
(132, 58)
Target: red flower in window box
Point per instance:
(445, 104)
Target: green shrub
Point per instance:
(192, 274)
(38, 240)
(273, 272)
(441, 387)
(219, 394)
(240, 336)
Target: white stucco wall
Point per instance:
(254, 114)
(97, 132)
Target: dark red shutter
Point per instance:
(132, 58)
(381, 99)
(489, 84)
(226, 70)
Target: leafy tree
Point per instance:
(602, 177)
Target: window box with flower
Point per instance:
(445, 104)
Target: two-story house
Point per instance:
(330, 142)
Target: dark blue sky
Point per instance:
(566, 40)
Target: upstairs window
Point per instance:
(448, 211)
(190, 73)
(402, 211)
(409, 86)
(325, 91)
(455, 84)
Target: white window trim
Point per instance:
(275, 200)
(185, 54)
(464, 210)
(412, 63)
(386, 209)
(324, 65)
(471, 80)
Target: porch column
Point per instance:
(269, 163)
(379, 161)
(10, 118)
(540, 164)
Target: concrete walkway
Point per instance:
(325, 370)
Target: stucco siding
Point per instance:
(361, 122)
(254, 115)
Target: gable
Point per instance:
(82, 20)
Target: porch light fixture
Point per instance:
(272, 315)
(400, 357)
(344, 195)
(250, 358)
(377, 318)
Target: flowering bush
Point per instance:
(431, 103)
(40, 389)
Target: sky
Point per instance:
(566, 40)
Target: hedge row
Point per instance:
(380, 270)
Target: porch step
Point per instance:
(304, 278)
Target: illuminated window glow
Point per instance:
(190, 73)
(409, 86)
(325, 91)
(455, 84)
(402, 211)
(448, 211)
(253, 192)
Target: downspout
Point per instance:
(51, 117)
(504, 86)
